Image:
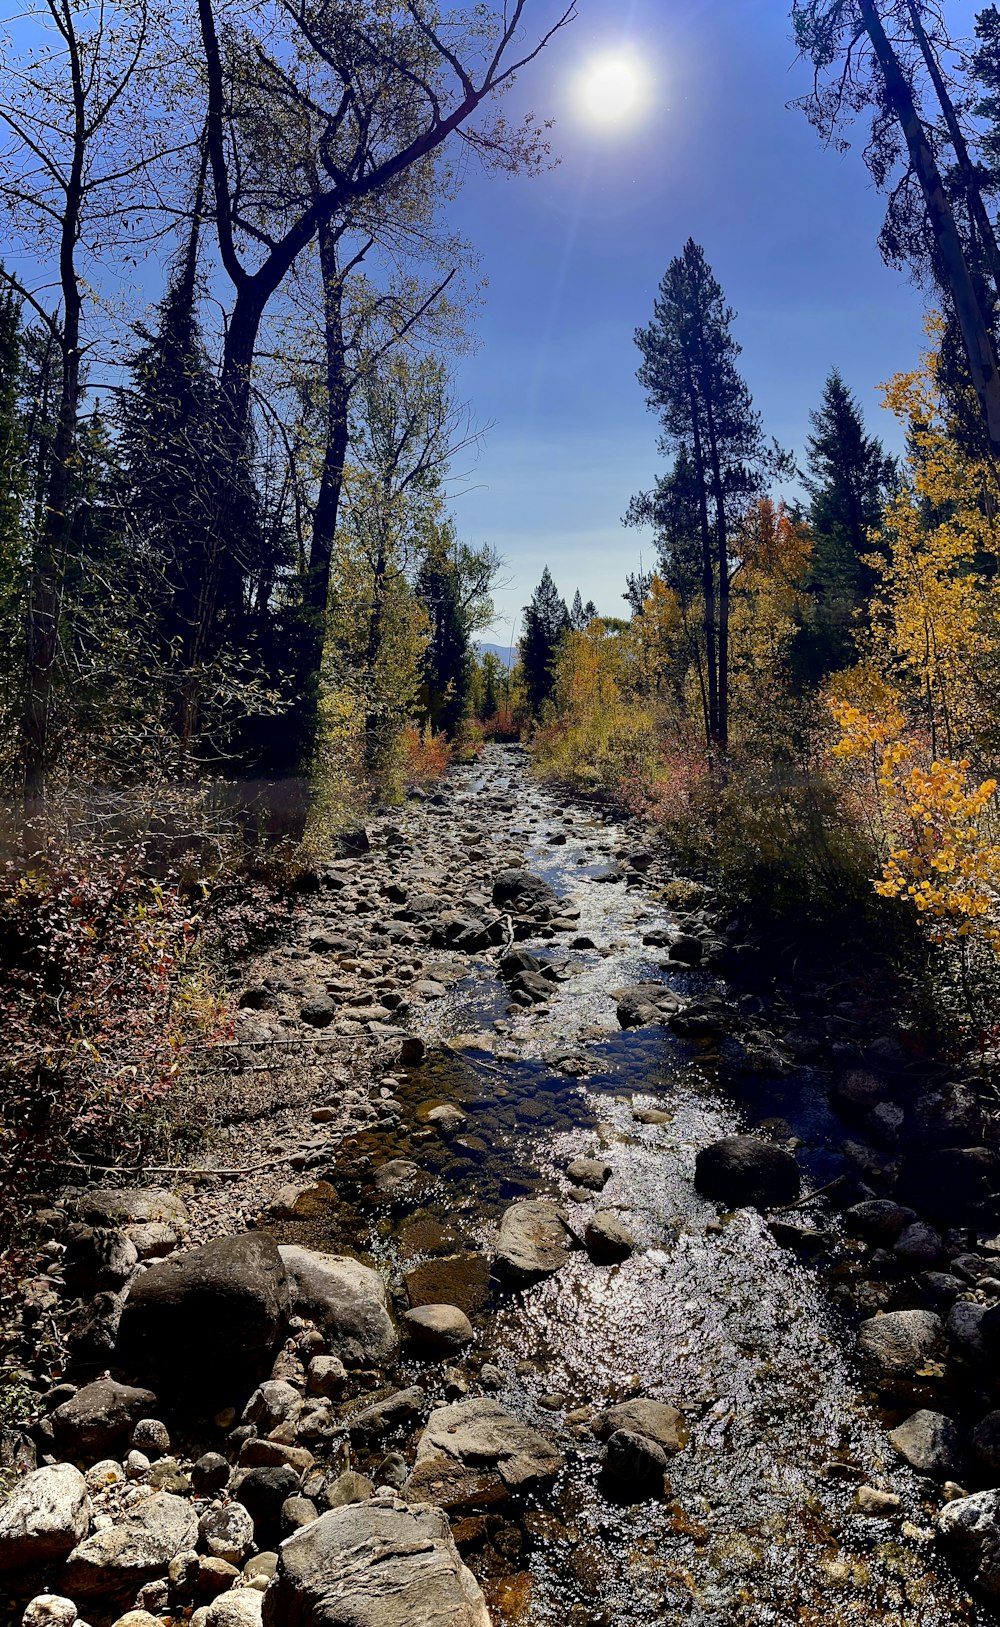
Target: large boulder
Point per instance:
(134, 1206)
(100, 1417)
(346, 1300)
(646, 1004)
(475, 1451)
(136, 1549)
(970, 1534)
(209, 1319)
(535, 1240)
(381, 1563)
(900, 1343)
(744, 1171)
(45, 1516)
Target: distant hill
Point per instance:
(502, 651)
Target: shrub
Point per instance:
(425, 755)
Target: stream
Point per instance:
(709, 1313)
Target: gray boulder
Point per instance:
(240, 1607)
(478, 1434)
(930, 1442)
(227, 1532)
(607, 1239)
(898, 1344)
(368, 1425)
(100, 1417)
(535, 1240)
(136, 1549)
(524, 893)
(209, 1319)
(590, 1172)
(965, 1329)
(346, 1300)
(743, 1171)
(969, 1529)
(634, 1461)
(646, 1004)
(440, 1329)
(381, 1563)
(45, 1516)
(134, 1206)
(656, 1420)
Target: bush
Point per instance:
(425, 755)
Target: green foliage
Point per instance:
(546, 620)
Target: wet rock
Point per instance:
(477, 1433)
(876, 1504)
(210, 1318)
(346, 1300)
(377, 1420)
(442, 1329)
(900, 1343)
(134, 1550)
(939, 1290)
(607, 873)
(646, 1004)
(607, 1240)
(590, 1172)
(523, 893)
(656, 1420)
(99, 1417)
(535, 1240)
(381, 1563)
(742, 1170)
(969, 1528)
(447, 1118)
(931, 1443)
(687, 949)
(454, 1279)
(397, 1175)
(227, 1532)
(878, 1220)
(634, 1461)
(859, 1091)
(45, 1516)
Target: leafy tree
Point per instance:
(13, 447)
(546, 621)
(692, 382)
(849, 478)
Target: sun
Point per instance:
(613, 89)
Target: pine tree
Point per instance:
(848, 477)
(546, 620)
(447, 658)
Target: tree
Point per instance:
(849, 478)
(546, 620)
(691, 381)
(13, 489)
(856, 65)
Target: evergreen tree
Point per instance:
(692, 383)
(581, 615)
(12, 491)
(546, 620)
(492, 685)
(848, 477)
(447, 658)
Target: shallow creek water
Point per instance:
(716, 1319)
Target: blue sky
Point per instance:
(573, 259)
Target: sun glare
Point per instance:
(613, 90)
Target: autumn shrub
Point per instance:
(597, 747)
(505, 725)
(101, 1000)
(425, 755)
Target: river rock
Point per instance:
(657, 1420)
(930, 1442)
(270, 1404)
(134, 1206)
(262, 1491)
(535, 1240)
(969, 1529)
(524, 893)
(985, 1441)
(45, 1516)
(878, 1221)
(919, 1245)
(227, 1532)
(479, 1433)
(346, 1300)
(607, 1240)
(744, 1171)
(899, 1343)
(591, 1172)
(99, 1417)
(965, 1329)
(208, 1319)
(646, 1004)
(381, 1563)
(240, 1607)
(136, 1549)
(49, 1610)
(957, 1186)
(349, 1487)
(634, 1460)
(442, 1329)
(368, 1425)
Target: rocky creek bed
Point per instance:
(504, 1315)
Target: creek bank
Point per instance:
(479, 1119)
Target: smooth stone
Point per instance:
(49, 1610)
(346, 1300)
(634, 1460)
(99, 1417)
(227, 1533)
(535, 1241)
(969, 1529)
(743, 1171)
(589, 1172)
(439, 1328)
(607, 1240)
(931, 1443)
(897, 1344)
(656, 1420)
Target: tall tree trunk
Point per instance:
(974, 329)
(335, 450)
